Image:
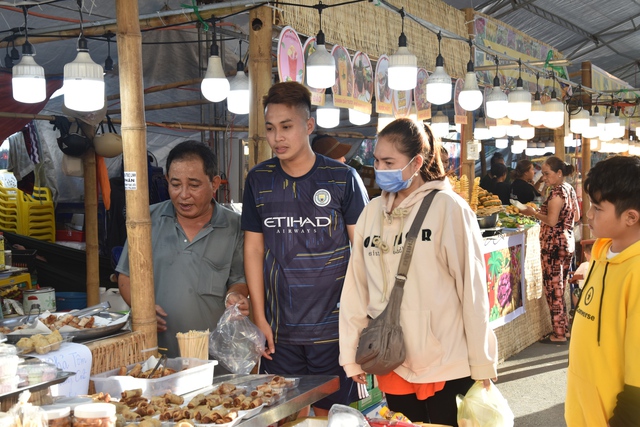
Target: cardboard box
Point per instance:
(375, 396)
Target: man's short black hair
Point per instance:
(191, 149)
(496, 157)
(617, 181)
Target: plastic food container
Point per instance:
(9, 365)
(95, 415)
(191, 374)
(9, 384)
(58, 415)
(36, 373)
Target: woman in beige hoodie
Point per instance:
(445, 310)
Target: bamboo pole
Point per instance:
(260, 23)
(467, 167)
(135, 165)
(164, 106)
(160, 88)
(92, 251)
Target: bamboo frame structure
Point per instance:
(134, 144)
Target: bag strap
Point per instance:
(407, 252)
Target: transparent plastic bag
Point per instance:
(346, 416)
(483, 408)
(236, 343)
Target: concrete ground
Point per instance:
(534, 382)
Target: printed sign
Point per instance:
(383, 91)
(363, 77)
(423, 107)
(290, 57)
(343, 89)
(130, 181)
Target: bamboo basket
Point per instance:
(375, 30)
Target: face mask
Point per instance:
(391, 180)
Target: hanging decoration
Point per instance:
(402, 103)
(383, 91)
(423, 107)
(290, 57)
(343, 88)
(460, 117)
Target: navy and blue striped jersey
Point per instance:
(303, 221)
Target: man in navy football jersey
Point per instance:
(299, 213)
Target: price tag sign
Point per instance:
(473, 150)
(130, 181)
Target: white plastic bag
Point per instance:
(236, 342)
(346, 416)
(483, 408)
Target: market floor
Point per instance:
(534, 382)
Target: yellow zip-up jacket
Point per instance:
(603, 383)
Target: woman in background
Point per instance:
(445, 319)
(521, 188)
(557, 216)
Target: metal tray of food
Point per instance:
(61, 376)
(79, 335)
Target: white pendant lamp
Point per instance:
(481, 131)
(591, 131)
(519, 99)
(527, 131)
(238, 98)
(215, 86)
(83, 78)
(328, 115)
(611, 123)
(28, 82)
(403, 65)
(470, 97)
(536, 117)
(531, 149)
(518, 146)
(439, 83)
(553, 111)
(579, 121)
(498, 131)
(502, 143)
(497, 102)
(321, 65)
(513, 129)
(358, 118)
(440, 125)
(384, 120)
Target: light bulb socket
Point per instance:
(496, 81)
(15, 55)
(554, 95)
(596, 110)
(27, 48)
(108, 64)
(320, 38)
(402, 40)
(536, 97)
(214, 51)
(83, 46)
(519, 82)
(470, 68)
(240, 67)
(439, 61)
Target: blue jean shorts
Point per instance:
(316, 359)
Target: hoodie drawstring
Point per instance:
(604, 277)
(383, 246)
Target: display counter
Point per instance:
(519, 312)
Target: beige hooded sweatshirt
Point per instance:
(445, 309)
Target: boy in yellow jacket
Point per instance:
(603, 383)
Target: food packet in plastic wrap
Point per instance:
(346, 416)
(27, 415)
(236, 342)
(483, 408)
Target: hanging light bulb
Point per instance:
(622, 127)
(439, 83)
(502, 143)
(215, 86)
(579, 121)
(519, 145)
(358, 118)
(497, 131)
(569, 141)
(384, 120)
(328, 115)
(403, 65)
(536, 117)
(527, 131)
(531, 149)
(440, 125)
(321, 65)
(481, 131)
(553, 111)
(83, 78)
(611, 123)
(238, 98)
(513, 129)
(108, 63)
(470, 97)
(519, 99)
(591, 131)
(497, 102)
(28, 82)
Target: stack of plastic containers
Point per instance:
(9, 214)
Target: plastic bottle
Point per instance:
(2, 265)
(388, 414)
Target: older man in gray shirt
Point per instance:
(197, 249)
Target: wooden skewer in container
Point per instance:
(194, 344)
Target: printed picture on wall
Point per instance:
(290, 57)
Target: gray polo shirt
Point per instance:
(191, 278)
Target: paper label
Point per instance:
(130, 181)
